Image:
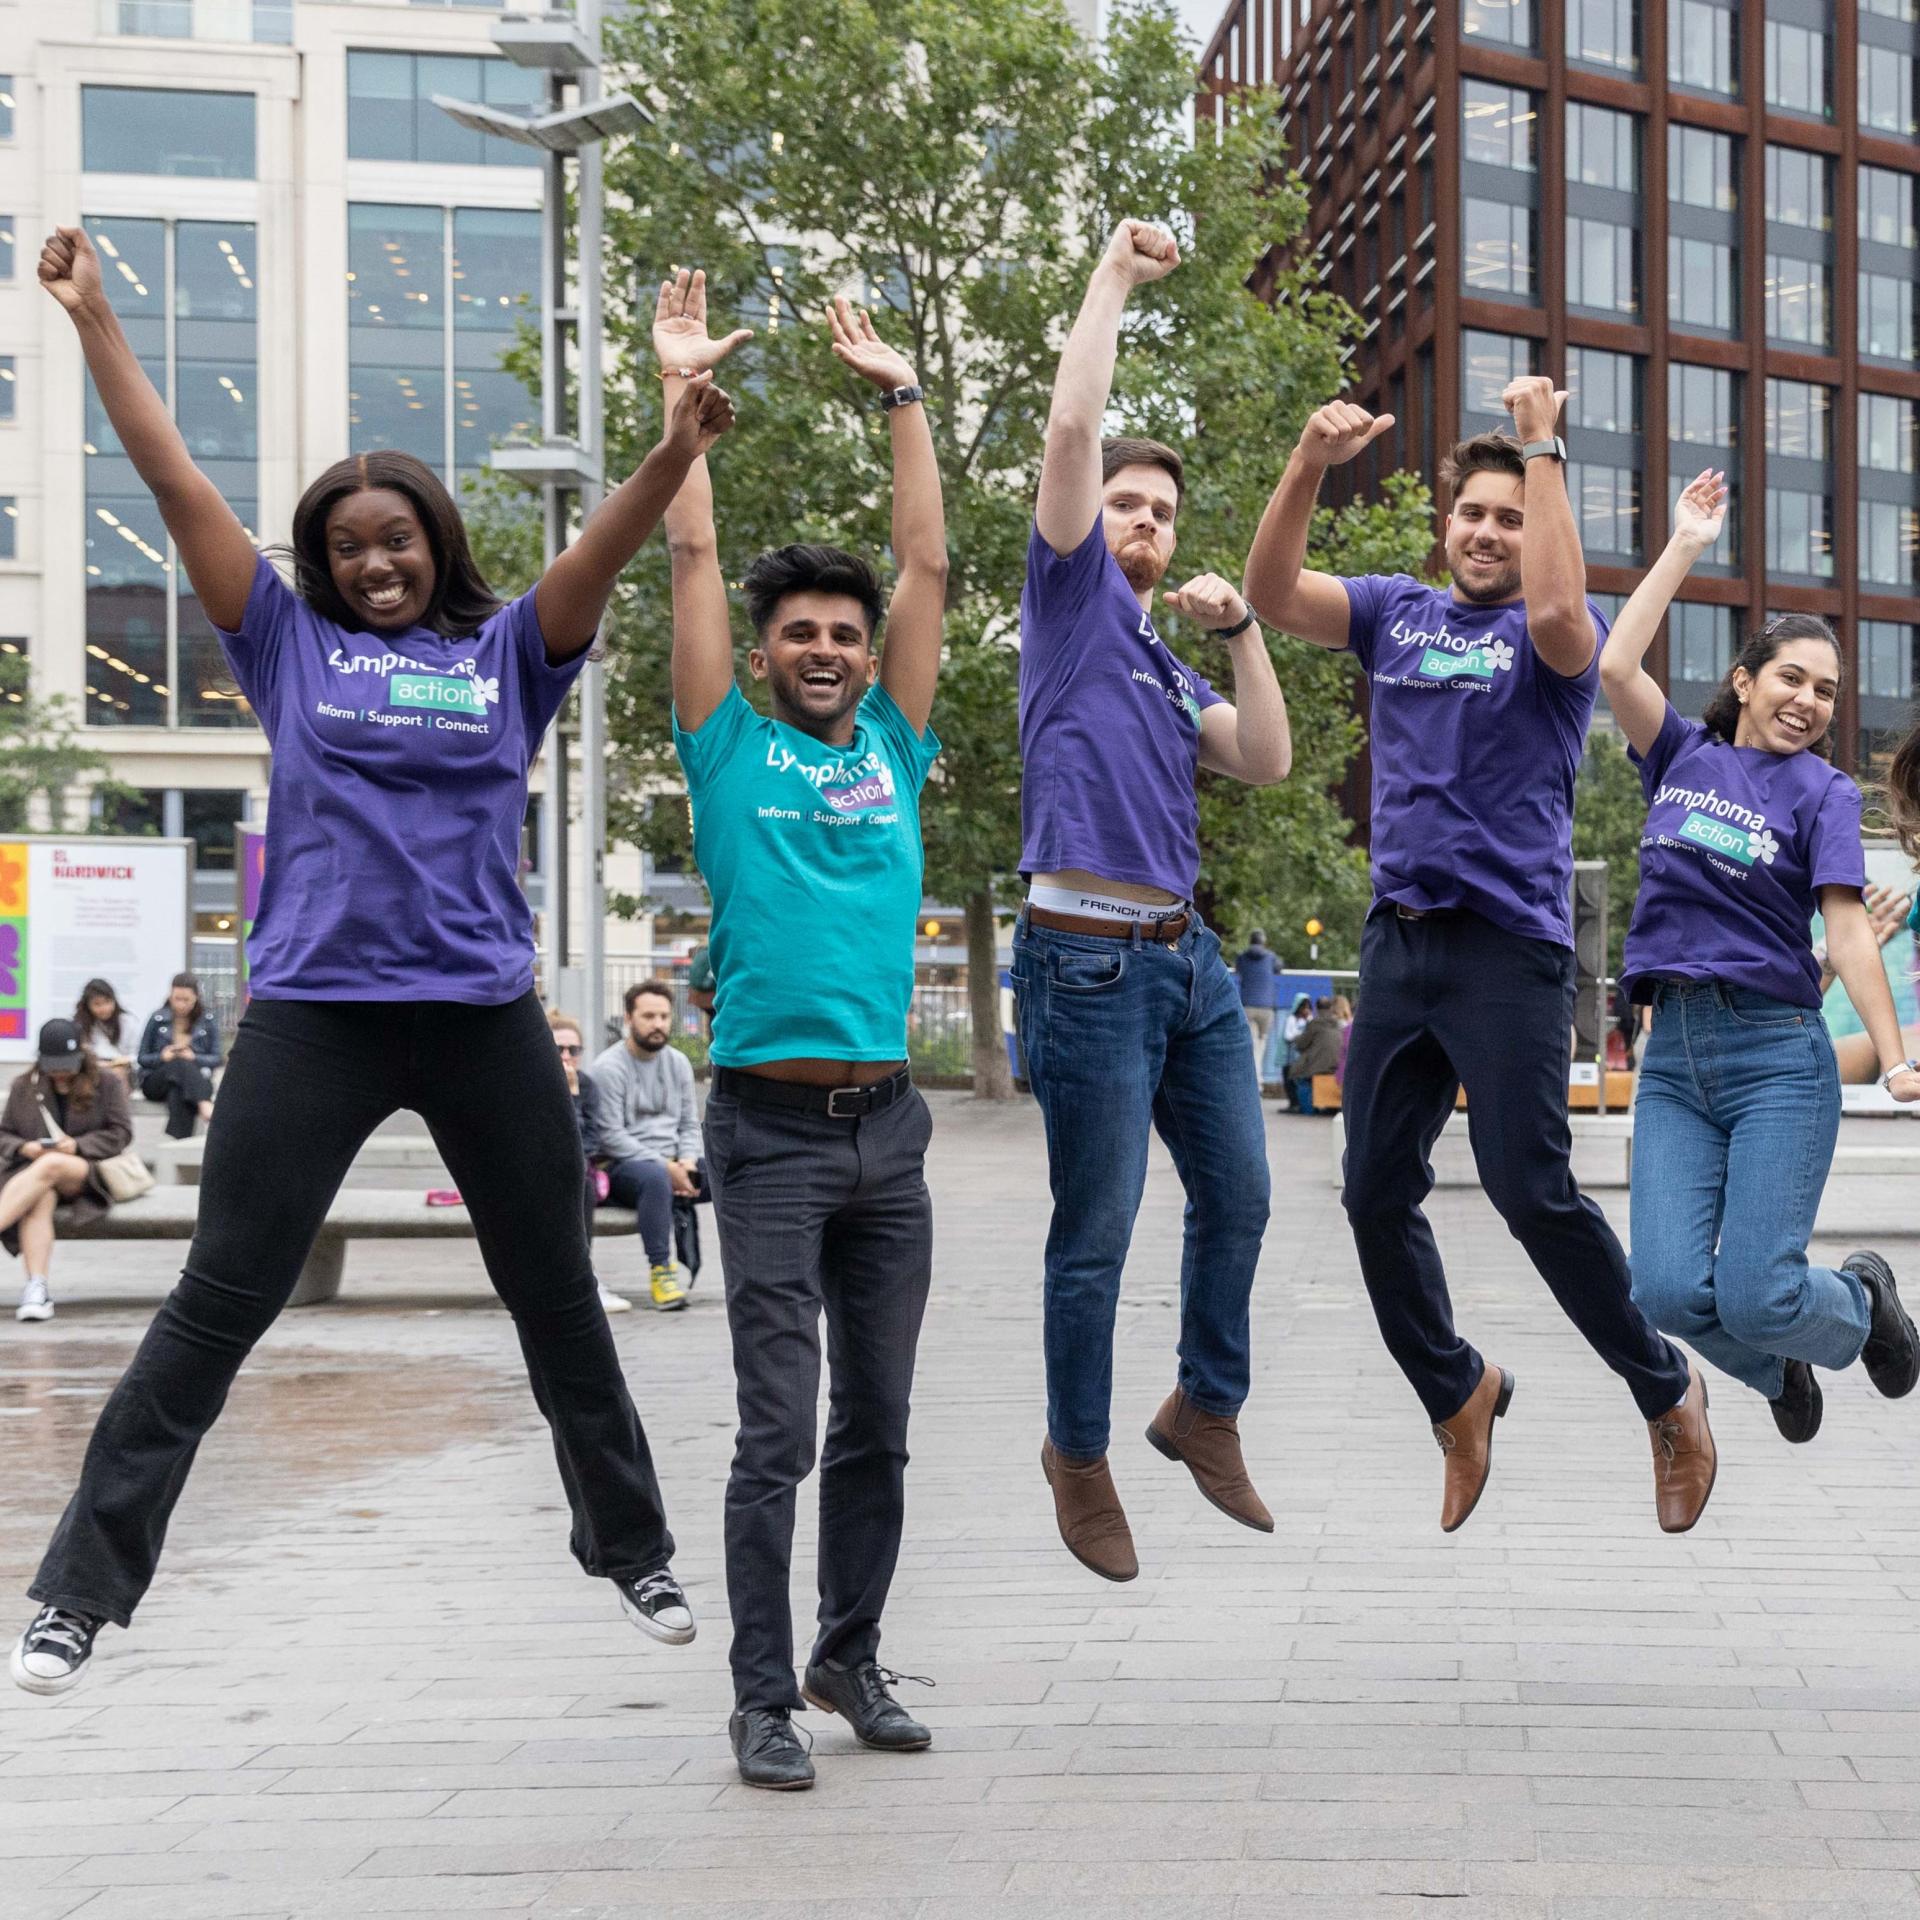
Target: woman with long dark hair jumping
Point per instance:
(391, 967)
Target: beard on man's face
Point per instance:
(1142, 562)
(649, 1042)
(1486, 590)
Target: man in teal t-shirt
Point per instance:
(806, 826)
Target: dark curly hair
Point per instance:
(1722, 715)
(807, 568)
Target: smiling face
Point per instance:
(1483, 537)
(817, 659)
(1137, 511)
(380, 559)
(1788, 705)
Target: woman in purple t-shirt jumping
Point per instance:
(392, 967)
(1750, 829)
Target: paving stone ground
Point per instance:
(371, 1682)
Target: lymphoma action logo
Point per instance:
(1744, 844)
(442, 692)
(1477, 663)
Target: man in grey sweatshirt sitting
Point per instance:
(647, 1130)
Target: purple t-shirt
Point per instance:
(1476, 741)
(399, 787)
(1109, 727)
(1738, 842)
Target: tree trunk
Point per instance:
(992, 1076)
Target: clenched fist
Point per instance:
(70, 269)
(1339, 431)
(705, 412)
(1209, 600)
(1139, 252)
(1535, 403)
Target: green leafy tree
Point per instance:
(1609, 811)
(43, 761)
(959, 168)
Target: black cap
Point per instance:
(59, 1047)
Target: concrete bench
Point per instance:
(177, 1163)
(168, 1213)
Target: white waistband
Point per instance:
(1099, 906)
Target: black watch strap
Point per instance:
(901, 397)
(1227, 633)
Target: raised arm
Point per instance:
(1632, 693)
(910, 663)
(1248, 738)
(214, 549)
(702, 633)
(1553, 569)
(1278, 584)
(573, 592)
(1069, 498)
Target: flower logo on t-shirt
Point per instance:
(488, 688)
(1761, 845)
(1498, 655)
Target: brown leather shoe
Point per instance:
(1685, 1459)
(1208, 1445)
(1092, 1521)
(1467, 1441)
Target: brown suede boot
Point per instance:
(1208, 1445)
(1092, 1522)
(1467, 1441)
(1685, 1459)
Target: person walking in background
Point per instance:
(105, 1027)
(179, 1052)
(1256, 972)
(648, 1136)
(64, 1115)
(1481, 693)
(584, 1094)
(1749, 824)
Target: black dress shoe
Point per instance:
(768, 1750)
(1797, 1410)
(1892, 1353)
(860, 1692)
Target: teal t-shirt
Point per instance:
(812, 854)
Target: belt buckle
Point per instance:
(835, 1094)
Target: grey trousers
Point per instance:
(817, 1214)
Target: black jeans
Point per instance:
(306, 1084)
(1447, 1000)
(179, 1085)
(818, 1213)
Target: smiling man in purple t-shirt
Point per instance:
(1129, 1019)
(1481, 695)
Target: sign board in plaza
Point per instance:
(73, 909)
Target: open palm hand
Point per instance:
(1701, 511)
(856, 345)
(680, 336)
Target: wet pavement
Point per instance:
(371, 1681)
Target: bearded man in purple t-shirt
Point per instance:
(1480, 698)
(1129, 1019)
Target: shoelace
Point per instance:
(1665, 1435)
(875, 1679)
(1446, 1441)
(65, 1629)
(773, 1725)
(660, 1586)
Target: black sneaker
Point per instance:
(1797, 1410)
(1892, 1353)
(52, 1654)
(656, 1605)
(860, 1692)
(768, 1750)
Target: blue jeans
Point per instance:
(1733, 1132)
(1123, 1035)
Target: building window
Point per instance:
(1799, 420)
(1799, 189)
(1699, 652)
(1703, 430)
(1603, 391)
(1604, 33)
(1509, 23)
(1799, 533)
(1889, 535)
(7, 253)
(15, 674)
(1498, 126)
(1889, 54)
(1887, 310)
(9, 526)
(208, 817)
(1703, 51)
(1886, 208)
(1602, 266)
(6, 106)
(186, 298)
(1797, 78)
(416, 382)
(1498, 248)
(1489, 364)
(1603, 148)
(1797, 299)
(391, 115)
(1702, 288)
(1604, 484)
(167, 130)
(1606, 500)
(9, 387)
(1889, 490)
(1888, 439)
(1701, 168)
(1886, 667)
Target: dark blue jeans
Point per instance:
(647, 1187)
(1122, 1035)
(1451, 1000)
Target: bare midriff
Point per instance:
(825, 1073)
(1098, 883)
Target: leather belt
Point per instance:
(837, 1103)
(1426, 913)
(1163, 932)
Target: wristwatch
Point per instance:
(1554, 449)
(1239, 626)
(1905, 1066)
(901, 397)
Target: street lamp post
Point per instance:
(568, 467)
